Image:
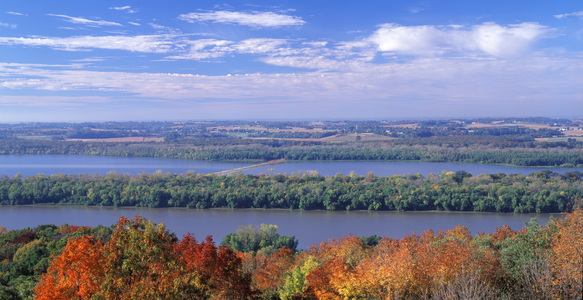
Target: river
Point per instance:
(308, 226)
(28, 165)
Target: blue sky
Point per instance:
(114, 60)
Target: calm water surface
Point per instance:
(308, 226)
(389, 168)
(28, 165)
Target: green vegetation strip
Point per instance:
(539, 192)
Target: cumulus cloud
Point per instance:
(506, 41)
(140, 43)
(578, 14)
(84, 21)
(490, 38)
(252, 19)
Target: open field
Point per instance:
(132, 139)
(525, 125)
(336, 138)
(261, 128)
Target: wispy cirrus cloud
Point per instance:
(450, 84)
(8, 25)
(202, 49)
(140, 43)
(251, 19)
(84, 21)
(577, 14)
(15, 13)
(126, 8)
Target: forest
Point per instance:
(138, 259)
(539, 192)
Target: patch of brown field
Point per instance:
(531, 126)
(132, 139)
(334, 138)
(573, 132)
(559, 139)
(260, 128)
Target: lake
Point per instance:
(308, 226)
(28, 165)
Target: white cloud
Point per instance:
(426, 85)
(490, 38)
(394, 37)
(84, 21)
(7, 25)
(203, 49)
(120, 7)
(259, 45)
(140, 43)
(578, 14)
(252, 19)
(126, 8)
(507, 41)
(15, 13)
(161, 28)
(210, 48)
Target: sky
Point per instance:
(143, 60)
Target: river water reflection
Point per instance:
(308, 226)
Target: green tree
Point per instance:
(264, 238)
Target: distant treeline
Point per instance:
(482, 150)
(541, 192)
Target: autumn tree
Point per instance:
(75, 274)
(218, 270)
(138, 262)
(269, 274)
(567, 255)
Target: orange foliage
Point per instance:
(334, 277)
(567, 258)
(502, 233)
(451, 256)
(75, 274)
(388, 272)
(68, 229)
(143, 261)
(269, 274)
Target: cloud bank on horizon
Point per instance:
(144, 60)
